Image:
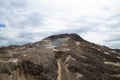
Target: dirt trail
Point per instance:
(59, 70)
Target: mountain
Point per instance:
(60, 57)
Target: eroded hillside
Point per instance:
(60, 57)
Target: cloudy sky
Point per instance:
(24, 21)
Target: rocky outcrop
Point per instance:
(60, 57)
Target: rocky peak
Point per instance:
(73, 36)
(60, 57)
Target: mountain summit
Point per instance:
(72, 36)
(60, 57)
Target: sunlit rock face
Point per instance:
(60, 57)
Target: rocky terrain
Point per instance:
(60, 57)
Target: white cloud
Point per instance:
(96, 20)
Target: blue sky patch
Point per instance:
(2, 25)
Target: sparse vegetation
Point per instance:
(70, 57)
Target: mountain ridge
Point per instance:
(60, 57)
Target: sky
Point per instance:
(25, 21)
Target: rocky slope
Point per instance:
(60, 57)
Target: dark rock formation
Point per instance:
(60, 57)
